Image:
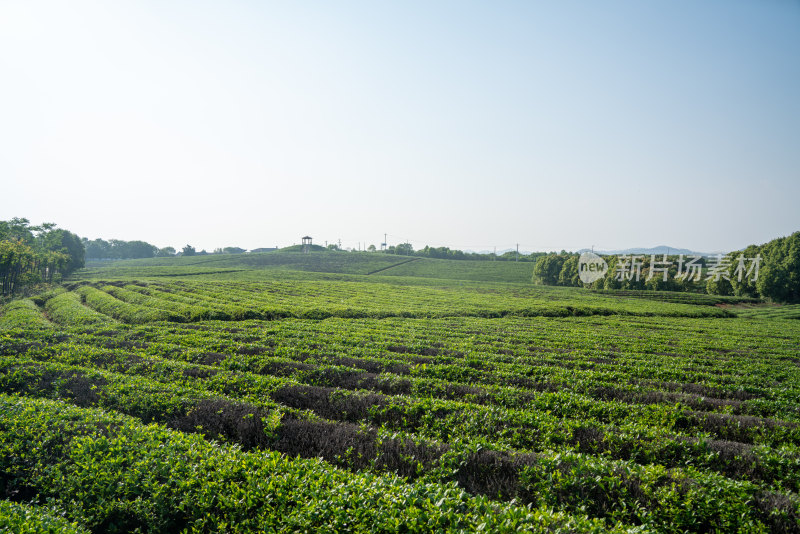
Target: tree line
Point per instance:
(117, 249)
(36, 254)
(778, 276)
(33, 254)
(446, 253)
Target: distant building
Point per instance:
(307, 244)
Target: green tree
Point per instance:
(139, 249)
(548, 269)
(71, 245)
(656, 282)
(189, 250)
(17, 229)
(779, 273)
(165, 252)
(33, 254)
(720, 286)
(16, 258)
(611, 282)
(773, 283)
(745, 287)
(404, 249)
(569, 276)
(97, 249)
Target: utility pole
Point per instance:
(494, 254)
(517, 258)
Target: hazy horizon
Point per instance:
(467, 125)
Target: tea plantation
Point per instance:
(337, 392)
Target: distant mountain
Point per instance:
(659, 250)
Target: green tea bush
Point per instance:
(67, 309)
(22, 313)
(123, 311)
(29, 519)
(121, 476)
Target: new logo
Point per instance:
(591, 267)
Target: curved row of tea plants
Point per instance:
(119, 476)
(440, 420)
(569, 481)
(315, 299)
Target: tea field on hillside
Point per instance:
(355, 263)
(183, 399)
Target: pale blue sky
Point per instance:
(467, 124)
